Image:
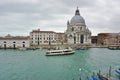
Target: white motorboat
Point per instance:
(60, 52)
(22, 48)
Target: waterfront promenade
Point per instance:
(69, 45)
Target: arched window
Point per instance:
(23, 45)
(80, 28)
(5, 46)
(14, 42)
(72, 29)
(70, 36)
(23, 42)
(14, 46)
(82, 39)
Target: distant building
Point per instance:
(112, 39)
(77, 32)
(108, 39)
(101, 38)
(94, 39)
(38, 37)
(14, 42)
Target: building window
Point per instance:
(72, 29)
(23, 42)
(14, 42)
(70, 36)
(80, 28)
(82, 39)
(5, 42)
(23, 45)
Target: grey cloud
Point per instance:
(24, 15)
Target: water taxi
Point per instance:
(60, 52)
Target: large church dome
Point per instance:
(77, 19)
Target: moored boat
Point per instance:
(101, 77)
(88, 78)
(85, 48)
(114, 47)
(22, 48)
(94, 77)
(31, 48)
(118, 72)
(104, 77)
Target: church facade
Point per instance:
(77, 32)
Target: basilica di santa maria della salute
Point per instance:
(77, 31)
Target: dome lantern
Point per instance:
(77, 12)
(77, 18)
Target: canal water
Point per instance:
(34, 65)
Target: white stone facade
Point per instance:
(77, 32)
(14, 42)
(38, 37)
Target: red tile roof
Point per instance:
(38, 31)
(14, 38)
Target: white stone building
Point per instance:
(77, 31)
(14, 42)
(38, 37)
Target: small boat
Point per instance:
(60, 52)
(22, 48)
(94, 77)
(31, 48)
(102, 77)
(82, 48)
(114, 47)
(88, 78)
(118, 72)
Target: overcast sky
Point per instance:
(19, 17)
